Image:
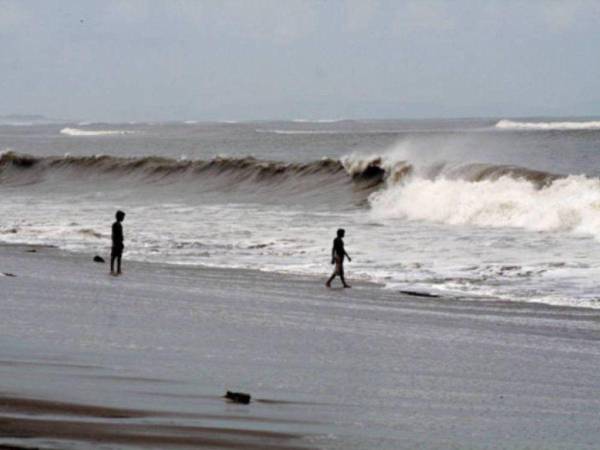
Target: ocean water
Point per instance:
(478, 209)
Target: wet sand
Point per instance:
(151, 435)
(143, 360)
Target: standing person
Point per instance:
(338, 253)
(117, 243)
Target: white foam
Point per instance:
(514, 125)
(569, 204)
(279, 131)
(318, 120)
(80, 132)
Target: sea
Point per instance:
(497, 209)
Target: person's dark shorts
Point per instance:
(116, 252)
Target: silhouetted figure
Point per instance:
(338, 253)
(117, 243)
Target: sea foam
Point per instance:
(80, 132)
(514, 125)
(566, 204)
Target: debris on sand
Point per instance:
(238, 397)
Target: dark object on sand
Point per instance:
(420, 294)
(6, 274)
(238, 397)
(99, 259)
(32, 250)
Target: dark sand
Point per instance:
(142, 361)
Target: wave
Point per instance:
(513, 125)
(196, 122)
(476, 194)
(273, 180)
(319, 120)
(483, 195)
(395, 172)
(365, 171)
(279, 131)
(497, 196)
(80, 132)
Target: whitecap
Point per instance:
(515, 125)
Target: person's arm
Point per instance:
(333, 253)
(344, 252)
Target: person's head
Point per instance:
(120, 216)
(341, 232)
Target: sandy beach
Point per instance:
(142, 361)
(442, 157)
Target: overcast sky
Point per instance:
(255, 59)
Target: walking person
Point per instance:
(338, 253)
(117, 244)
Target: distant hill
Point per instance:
(27, 119)
(24, 117)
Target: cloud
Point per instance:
(12, 15)
(567, 15)
(126, 11)
(359, 14)
(278, 21)
(269, 20)
(433, 15)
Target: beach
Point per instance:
(237, 157)
(143, 360)
(475, 208)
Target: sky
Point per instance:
(118, 60)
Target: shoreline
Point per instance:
(419, 297)
(142, 361)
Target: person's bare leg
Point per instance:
(346, 285)
(328, 284)
(119, 265)
(112, 264)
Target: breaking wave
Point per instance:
(488, 195)
(278, 131)
(363, 171)
(476, 194)
(80, 132)
(514, 125)
(319, 120)
(245, 175)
